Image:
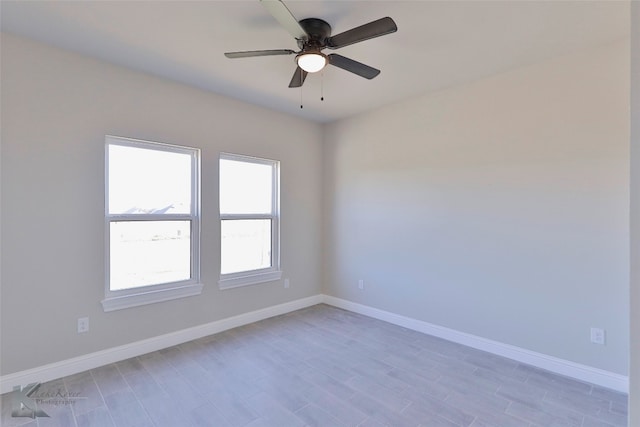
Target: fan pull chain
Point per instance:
(322, 86)
(301, 82)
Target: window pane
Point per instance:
(148, 181)
(246, 245)
(245, 188)
(146, 253)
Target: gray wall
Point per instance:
(634, 371)
(497, 208)
(56, 109)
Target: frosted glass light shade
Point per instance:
(312, 62)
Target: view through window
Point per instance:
(249, 221)
(152, 214)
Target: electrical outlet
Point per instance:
(598, 336)
(361, 284)
(286, 283)
(83, 324)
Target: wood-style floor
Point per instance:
(323, 366)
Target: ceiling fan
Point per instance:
(314, 35)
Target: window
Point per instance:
(249, 220)
(152, 222)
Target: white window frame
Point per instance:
(253, 277)
(125, 298)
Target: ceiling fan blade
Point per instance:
(364, 32)
(279, 10)
(298, 78)
(250, 53)
(353, 66)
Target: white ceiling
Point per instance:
(438, 43)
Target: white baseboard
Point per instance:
(104, 357)
(567, 368)
(93, 360)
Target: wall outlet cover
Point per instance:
(598, 336)
(83, 325)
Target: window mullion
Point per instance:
(150, 217)
(224, 217)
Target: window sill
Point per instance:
(150, 297)
(249, 279)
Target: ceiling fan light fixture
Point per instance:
(311, 62)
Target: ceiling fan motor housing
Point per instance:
(318, 30)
